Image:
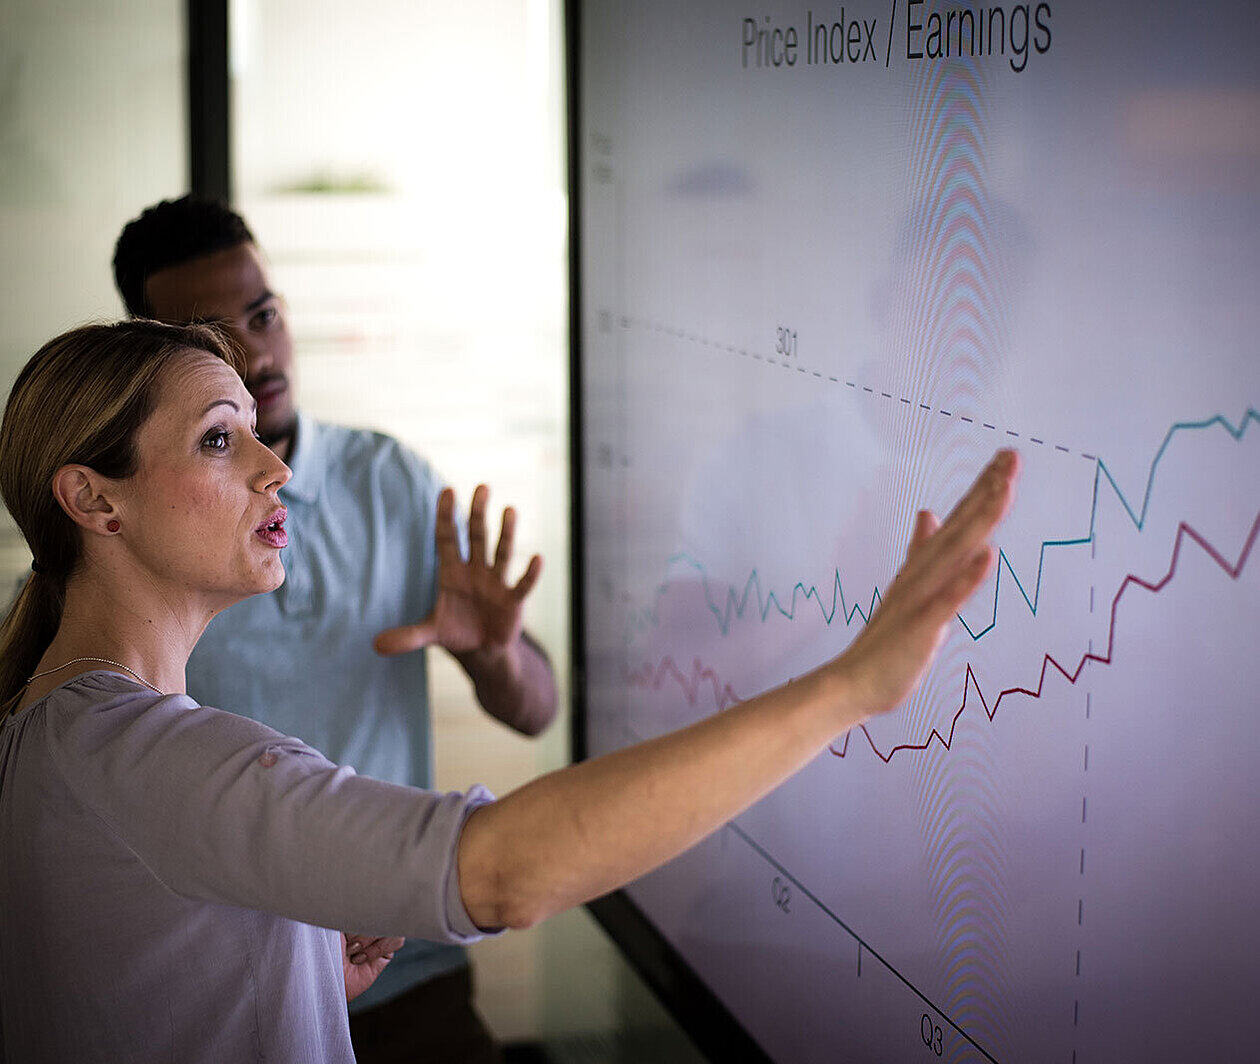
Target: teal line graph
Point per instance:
(736, 602)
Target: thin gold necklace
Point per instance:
(74, 661)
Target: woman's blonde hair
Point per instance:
(80, 400)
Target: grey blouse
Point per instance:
(174, 878)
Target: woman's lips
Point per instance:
(272, 530)
(276, 537)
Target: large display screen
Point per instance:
(831, 257)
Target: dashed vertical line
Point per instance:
(1080, 900)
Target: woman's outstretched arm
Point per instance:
(582, 831)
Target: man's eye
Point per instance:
(218, 440)
(264, 317)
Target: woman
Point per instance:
(167, 870)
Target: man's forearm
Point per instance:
(515, 685)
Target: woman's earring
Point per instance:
(114, 525)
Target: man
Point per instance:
(335, 655)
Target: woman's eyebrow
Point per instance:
(228, 402)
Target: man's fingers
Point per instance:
(445, 534)
(477, 525)
(406, 638)
(507, 537)
(526, 583)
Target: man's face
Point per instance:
(230, 288)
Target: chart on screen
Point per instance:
(831, 259)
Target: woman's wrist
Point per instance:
(849, 700)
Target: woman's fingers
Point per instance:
(972, 521)
(369, 950)
(925, 525)
(944, 567)
(964, 583)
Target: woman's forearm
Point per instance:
(585, 830)
(579, 832)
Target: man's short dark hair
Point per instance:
(170, 233)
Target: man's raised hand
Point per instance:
(476, 607)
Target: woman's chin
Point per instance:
(265, 578)
(272, 579)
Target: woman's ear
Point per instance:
(86, 497)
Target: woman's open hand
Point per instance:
(943, 567)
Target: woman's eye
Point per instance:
(264, 317)
(218, 440)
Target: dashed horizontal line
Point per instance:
(627, 322)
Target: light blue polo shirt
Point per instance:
(361, 558)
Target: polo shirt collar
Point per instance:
(306, 461)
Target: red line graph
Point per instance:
(648, 676)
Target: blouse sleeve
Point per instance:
(222, 808)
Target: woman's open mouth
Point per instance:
(272, 530)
